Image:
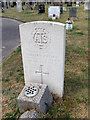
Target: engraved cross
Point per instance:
(42, 73)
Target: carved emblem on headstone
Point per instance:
(40, 37)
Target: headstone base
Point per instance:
(40, 102)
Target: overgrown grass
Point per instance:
(74, 103)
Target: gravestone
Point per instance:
(19, 5)
(64, 9)
(5, 4)
(77, 3)
(87, 6)
(11, 3)
(61, 8)
(72, 12)
(69, 4)
(43, 53)
(41, 8)
(54, 10)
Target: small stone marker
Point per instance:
(30, 114)
(54, 10)
(72, 12)
(43, 53)
(28, 98)
(19, 5)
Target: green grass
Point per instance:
(74, 102)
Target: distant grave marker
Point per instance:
(54, 10)
(41, 8)
(72, 12)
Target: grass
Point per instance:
(74, 103)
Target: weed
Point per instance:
(80, 33)
(4, 92)
(75, 28)
(6, 80)
(11, 73)
(29, 12)
(12, 105)
(17, 79)
(84, 69)
(13, 97)
(21, 73)
(66, 116)
(17, 50)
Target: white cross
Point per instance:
(41, 72)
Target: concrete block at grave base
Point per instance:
(30, 114)
(40, 102)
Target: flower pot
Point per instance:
(68, 26)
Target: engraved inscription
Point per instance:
(42, 73)
(40, 37)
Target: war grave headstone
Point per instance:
(41, 8)
(69, 4)
(54, 10)
(72, 12)
(43, 54)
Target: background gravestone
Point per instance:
(19, 5)
(77, 3)
(72, 12)
(41, 8)
(43, 53)
(87, 6)
(4, 4)
(54, 10)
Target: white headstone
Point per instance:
(87, 6)
(43, 53)
(77, 4)
(54, 10)
(19, 5)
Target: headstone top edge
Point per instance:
(44, 22)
